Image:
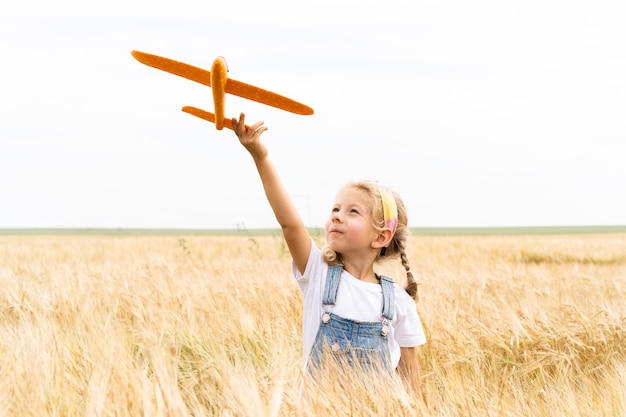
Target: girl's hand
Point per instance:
(250, 137)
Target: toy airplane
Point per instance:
(220, 84)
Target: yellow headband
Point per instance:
(390, 209)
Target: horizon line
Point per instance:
(316, 231)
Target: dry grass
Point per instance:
(163, 326)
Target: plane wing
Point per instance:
(234, 87)
(266, 97)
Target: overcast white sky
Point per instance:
(480, 113)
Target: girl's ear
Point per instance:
(383, 239)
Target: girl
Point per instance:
(348, 308)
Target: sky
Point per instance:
(486, 113)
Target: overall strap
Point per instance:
(332, 284)
(333, 277)
(388, 297)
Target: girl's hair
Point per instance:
(397, 246)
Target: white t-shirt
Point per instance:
(356, 300)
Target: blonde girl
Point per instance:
(349, 310)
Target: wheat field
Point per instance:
(210, 326)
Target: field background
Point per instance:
(180, 323)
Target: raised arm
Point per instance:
(293, 228)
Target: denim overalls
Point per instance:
(361, 344)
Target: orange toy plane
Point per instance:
(220, 84)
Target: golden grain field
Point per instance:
(210, 326)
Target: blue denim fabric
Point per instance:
(351, 342)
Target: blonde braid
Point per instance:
(412, 285)
(330, 256)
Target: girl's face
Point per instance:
(349, 227)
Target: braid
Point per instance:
(412, 285)
(330, 256)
